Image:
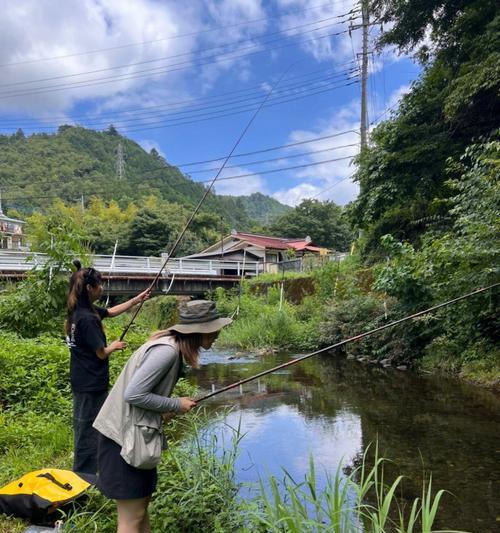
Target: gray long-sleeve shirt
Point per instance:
(152, 370)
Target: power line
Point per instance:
(290, 156)
(229, 110)
(326, 189)
(245, 109)
(142, 43)
(280, 102)
(239, 176)
(180, 103)
(234, 156)
(184, 54)
(304, 85)
(315, 139)
(162, 70)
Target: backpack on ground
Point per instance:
(40, 494)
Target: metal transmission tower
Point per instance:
(120, 161)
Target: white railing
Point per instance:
(16, 261)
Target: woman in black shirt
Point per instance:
(89, 367)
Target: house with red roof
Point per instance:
(239, 246)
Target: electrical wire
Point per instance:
(234, 156)
(176, 103)
(303, 86)
(183, 54)
(142, 43)
(113, 79)
(239, 176)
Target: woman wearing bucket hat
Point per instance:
(130, 422)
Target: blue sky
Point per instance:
(185, 77)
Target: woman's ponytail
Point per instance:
(77, 291)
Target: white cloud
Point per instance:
(337, 47)
(240, 187)
(330, 181)
(32, 30)
(148, 145)
(296, 194)
(396, 96)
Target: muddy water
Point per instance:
(334, 408)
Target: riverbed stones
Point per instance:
(402, 367)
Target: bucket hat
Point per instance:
(199, 316)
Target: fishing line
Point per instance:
(342, 343)
(207, 191)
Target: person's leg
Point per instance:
(131, 515)
(86, 405)
(146, 526)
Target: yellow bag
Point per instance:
(39, 494)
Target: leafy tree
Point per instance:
(111, 130)
(403, 176)
(465, 257)
(324, 222)
(37, 303)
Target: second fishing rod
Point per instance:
(203, 198)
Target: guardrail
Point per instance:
(15, 261)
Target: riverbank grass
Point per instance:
(360, 501)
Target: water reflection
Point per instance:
(334, 408)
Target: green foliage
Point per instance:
(196, 480)
(36, 304)
(460, 260)
(262, 324)
(76, 161)
(260, 207)
(196, 486)
(324, 222)
(404, 174)
(160, 312)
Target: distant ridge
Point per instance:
(76, 162)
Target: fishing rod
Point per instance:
(207, 191)
(342, 343)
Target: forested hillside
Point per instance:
(79, 162)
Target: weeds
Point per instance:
(358, 502)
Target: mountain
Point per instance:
(76, 162)
(262, 208)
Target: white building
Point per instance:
(11, 232)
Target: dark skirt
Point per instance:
(118, 480)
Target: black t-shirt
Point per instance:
(88, 372)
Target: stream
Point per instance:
(334, 408)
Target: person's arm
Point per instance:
(158, 361)
(90, 330)
(125, 306)
(105, 351)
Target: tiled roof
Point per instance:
(278, 243)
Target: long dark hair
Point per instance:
(78, 295)
(189, 344)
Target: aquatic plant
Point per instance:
(358, 502)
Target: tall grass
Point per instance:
(354, 503)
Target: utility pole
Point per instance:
(120, 161)
(365, 18)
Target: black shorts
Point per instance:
(116, 478)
